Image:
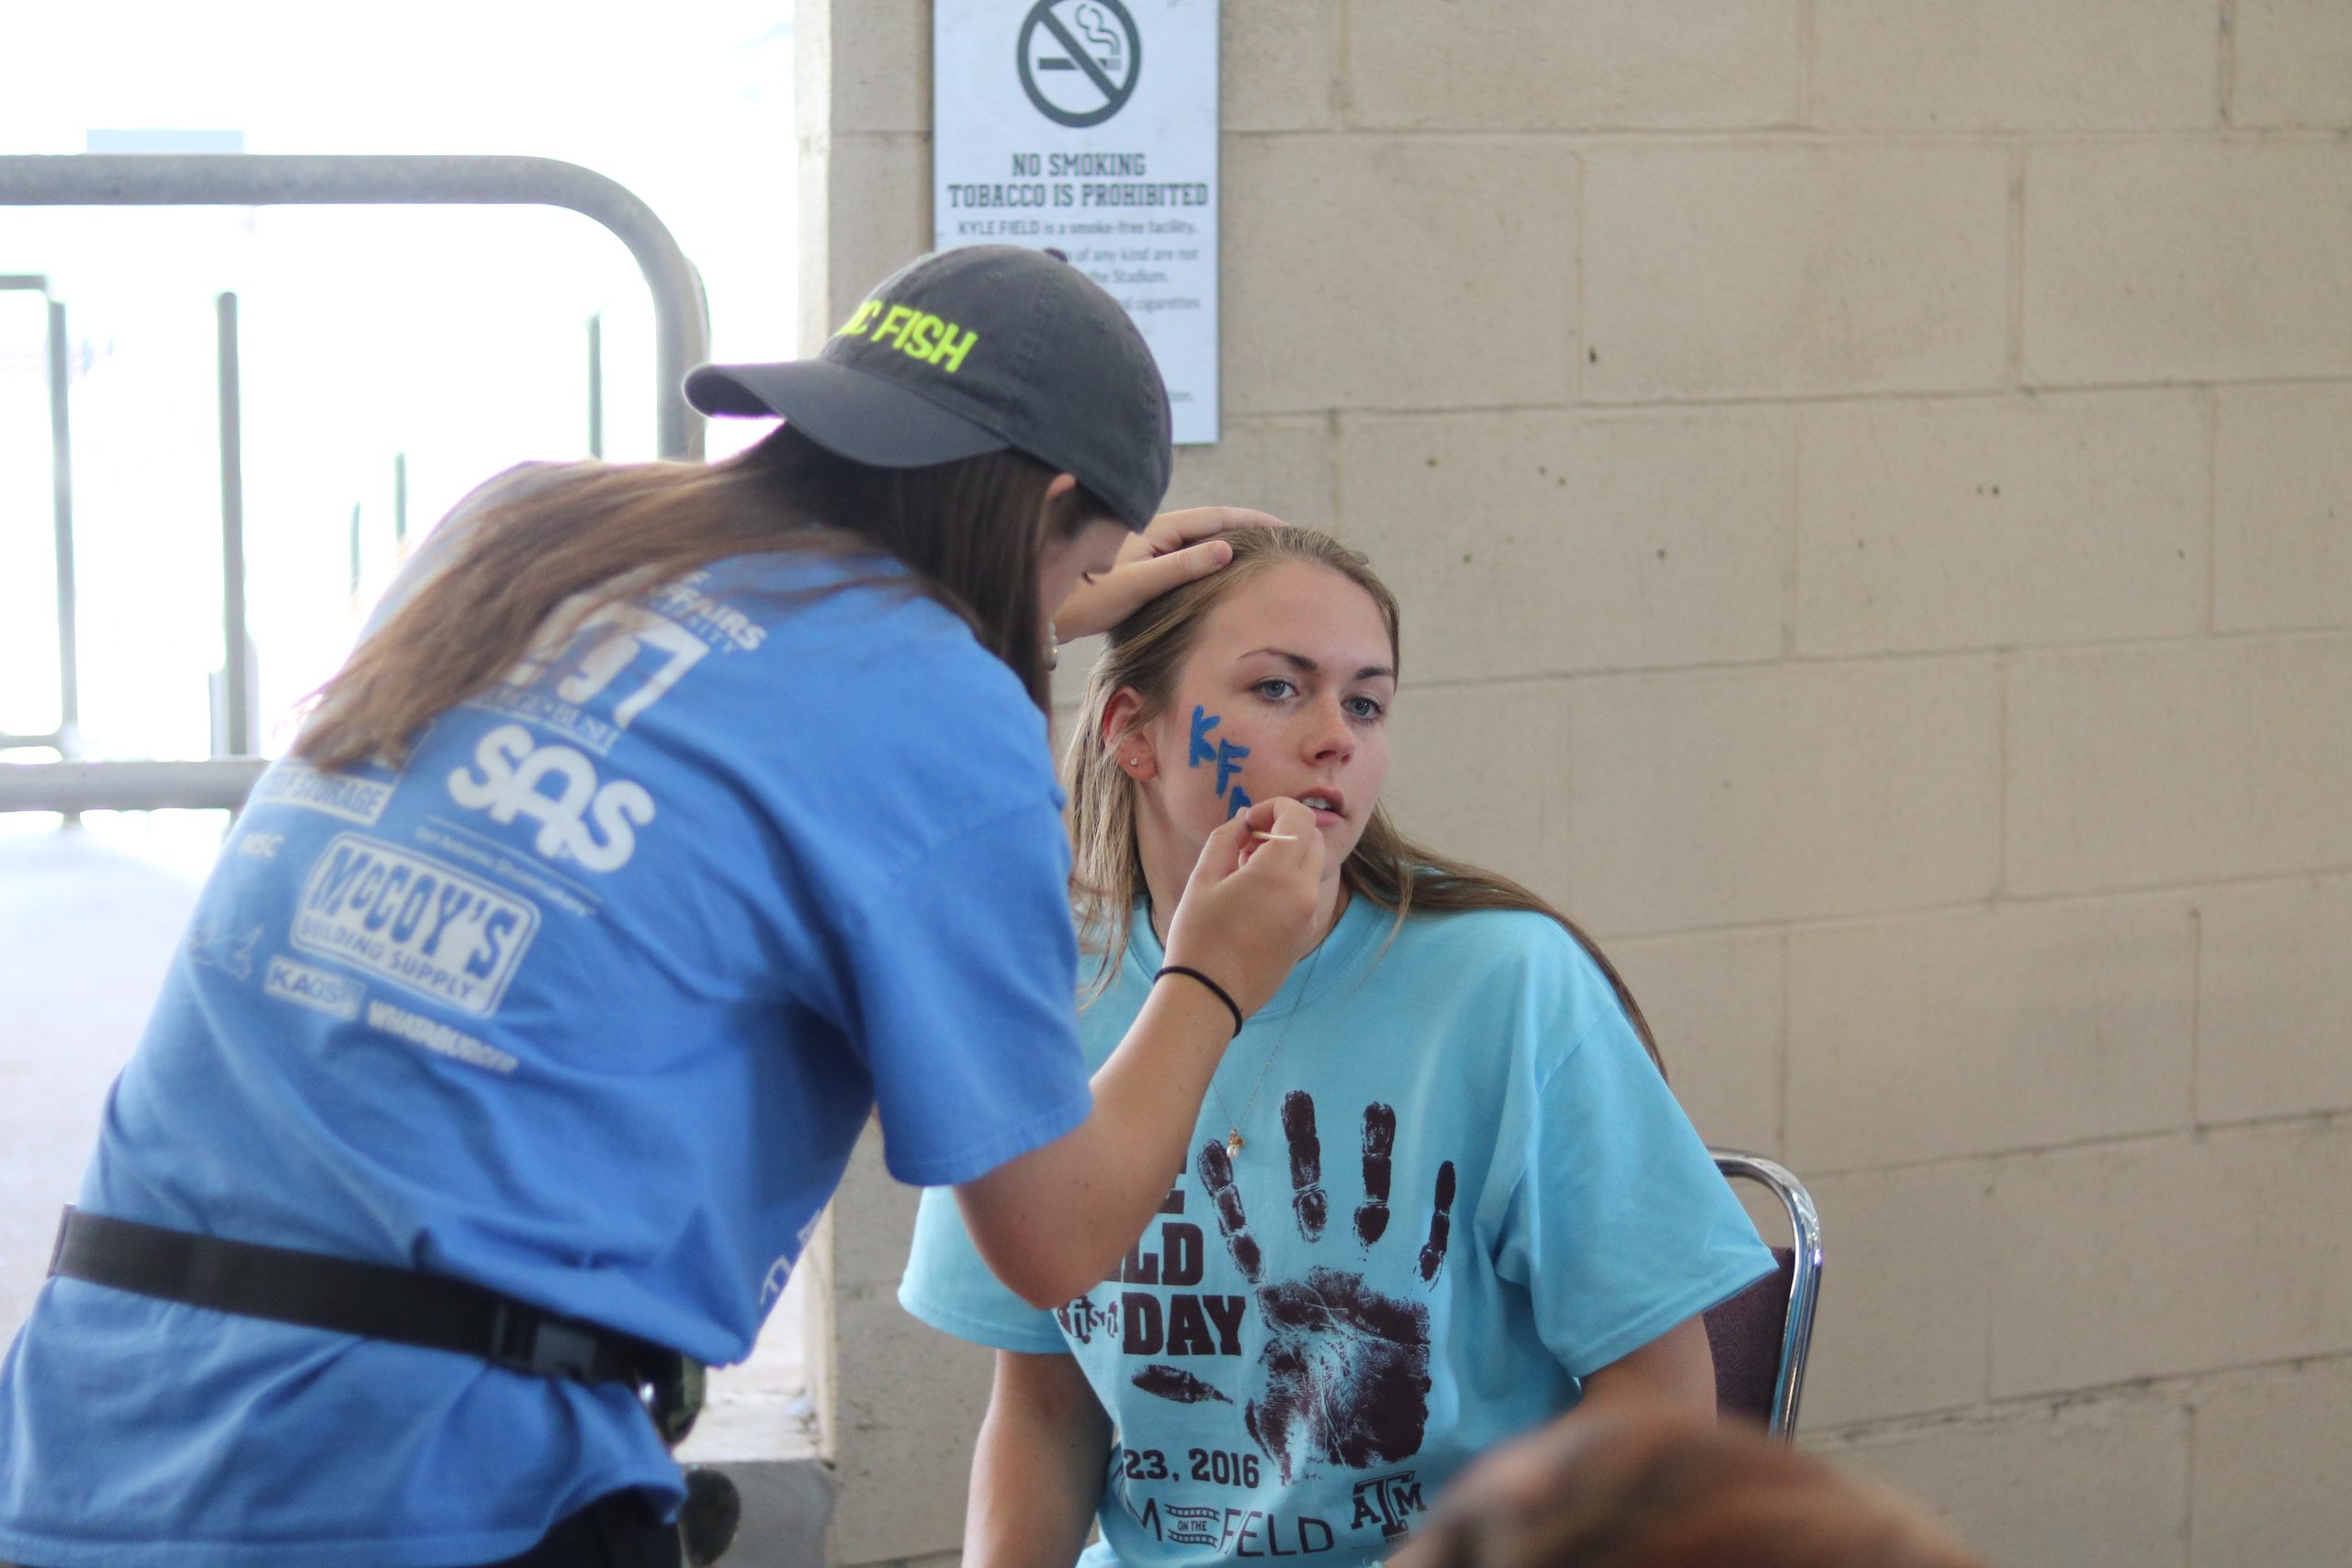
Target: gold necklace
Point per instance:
(1234, 1141)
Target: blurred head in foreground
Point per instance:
(1657, 1489)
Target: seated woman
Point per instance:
(1441, 1193)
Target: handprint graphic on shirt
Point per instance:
(1344, 1376)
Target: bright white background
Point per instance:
(454, 335)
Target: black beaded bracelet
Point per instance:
(1219, 991)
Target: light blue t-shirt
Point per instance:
(1462, 1186)
(587, 1003)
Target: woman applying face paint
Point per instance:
(1438, 1194)
(670, 821)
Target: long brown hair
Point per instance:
(1145, 652)
(590, 533)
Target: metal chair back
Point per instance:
(1760, 1336)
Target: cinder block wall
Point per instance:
(1870, 485)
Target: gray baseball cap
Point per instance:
(975, 350)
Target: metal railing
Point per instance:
(198, 179)
(63, 740)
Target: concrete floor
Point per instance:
(86, 932)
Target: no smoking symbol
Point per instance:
(1079, 60)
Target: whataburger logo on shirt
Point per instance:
(1340, 1379)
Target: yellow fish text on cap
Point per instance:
(918, 334)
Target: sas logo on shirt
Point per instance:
(595, 826)
(414, 921)
(337, 995)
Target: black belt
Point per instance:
(343, 1295)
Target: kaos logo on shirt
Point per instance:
(581, 821)
(414, 921)
(337, 995)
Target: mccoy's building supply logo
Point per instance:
(414, 921)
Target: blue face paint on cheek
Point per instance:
(1228, 762)
(1225, 754)
(1202, 722)
(1239, 802)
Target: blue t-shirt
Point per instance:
(586, 1003)
(1462, 1187)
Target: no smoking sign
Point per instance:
(1047, 131)
(1079, 60)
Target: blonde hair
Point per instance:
(1145, 652)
